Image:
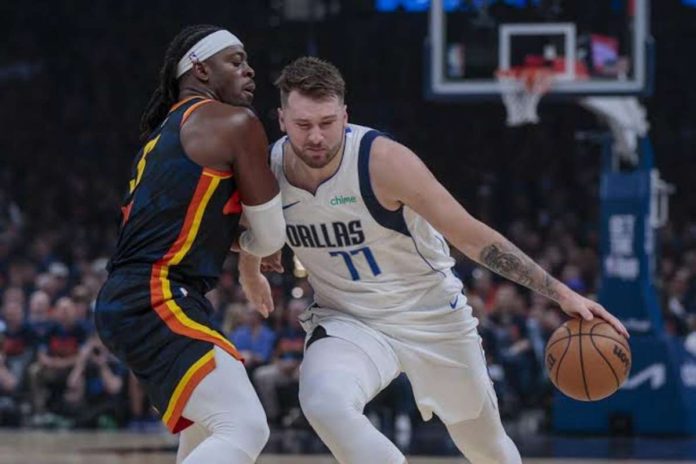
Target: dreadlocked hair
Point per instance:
(167, 92)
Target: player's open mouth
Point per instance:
(249, 89)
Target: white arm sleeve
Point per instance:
(266, 232)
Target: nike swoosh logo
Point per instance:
(453, 303)
(291, 204)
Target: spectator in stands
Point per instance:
(142, 417)
(253, 339)
(392, 409)
(572, 278)
(95, 387)
(95, 277)
(13, 295)
(9, 383)
(39, 308)
(482, 285)
(42, 251)
(20, 340)
(283, 371)
(60, 274)
(516, 350)
(82, 297)
(57, 355)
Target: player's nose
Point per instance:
(315, 136)
(250, 71)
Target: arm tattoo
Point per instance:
(508, 261)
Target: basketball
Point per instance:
(587, 360)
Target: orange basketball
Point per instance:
(587, 360)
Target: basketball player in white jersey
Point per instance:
(367, 218)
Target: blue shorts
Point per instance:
(161, 330)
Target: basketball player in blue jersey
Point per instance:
(202, 164)
(368, 221)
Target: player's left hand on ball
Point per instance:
(578, 306)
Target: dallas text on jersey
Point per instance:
(330, 235)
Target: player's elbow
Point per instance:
(277, 243)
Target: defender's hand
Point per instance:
(258, 292)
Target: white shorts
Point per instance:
(441, 355)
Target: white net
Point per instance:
(521, 92)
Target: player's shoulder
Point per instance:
(378, 141)
(276, 147)
(230, 116)
(275, 154)
(227, 127)
(387, 151)
(392, 165)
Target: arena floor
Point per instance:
(30, 447)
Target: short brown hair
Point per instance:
(312, 77)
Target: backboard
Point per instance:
(594, 47)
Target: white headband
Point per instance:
(205, 48)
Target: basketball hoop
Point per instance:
(521, 89)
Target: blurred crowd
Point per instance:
(55, 372)
(65, 152)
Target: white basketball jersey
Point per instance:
(362, 259)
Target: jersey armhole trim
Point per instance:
(180, 103)
(216, 173)
(393, 220)
(191, 109)
(206, 170)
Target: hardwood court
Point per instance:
(30, 447)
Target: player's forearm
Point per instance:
(248, 265)
(489, 248)
(504, 258)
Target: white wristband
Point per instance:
(266, 232)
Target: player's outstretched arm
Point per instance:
(400, 177)
(501, 256)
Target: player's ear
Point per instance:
(281, 119)
(201, 71)
(345, 114)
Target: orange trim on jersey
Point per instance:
(193, 376)
(182, 102)
(125, 212)
(233, 205)
(191, 109)
(161, 297)
(220, 174)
